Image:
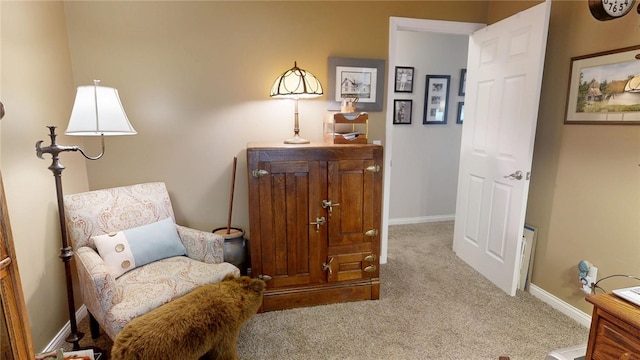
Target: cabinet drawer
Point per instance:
(349, 267)
(612, 341)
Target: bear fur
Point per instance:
(206, 321)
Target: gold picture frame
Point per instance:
(604, 88)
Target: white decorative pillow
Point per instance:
(128, 249)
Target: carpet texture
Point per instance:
(432, 306)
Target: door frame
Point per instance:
(397, 24)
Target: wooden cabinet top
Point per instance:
(313, 151)
(622, 309)
(313, 145)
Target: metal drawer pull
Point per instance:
(319, 221)
(370, 268)
(371, 233)
(370, 258)
(373, 168)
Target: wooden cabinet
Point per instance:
(315, 213)
(15, 335)
(615, 328)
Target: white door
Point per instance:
(504, 76)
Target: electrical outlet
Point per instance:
(590, 279)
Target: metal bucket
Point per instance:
(234, 246)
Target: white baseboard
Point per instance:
(59, 340)
(555, 302)
(421, 219)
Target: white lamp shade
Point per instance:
(97, 111)
(296, 83)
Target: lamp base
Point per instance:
(296, 139)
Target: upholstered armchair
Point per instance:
(130, 255)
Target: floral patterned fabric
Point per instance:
(115, 302)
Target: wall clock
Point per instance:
(610, 9)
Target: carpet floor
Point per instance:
(432, 306)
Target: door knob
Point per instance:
(515, 176)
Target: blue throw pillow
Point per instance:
(128, 249)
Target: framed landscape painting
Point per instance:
(604, 88)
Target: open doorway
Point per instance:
(405, 143)
(503, 84)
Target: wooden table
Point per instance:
(615, 328)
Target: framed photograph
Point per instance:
(463, 82)
(402, 111)
(404, 79)
(436, 99)
(460, 118)
(351, 78)
(604, 88)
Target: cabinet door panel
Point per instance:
(288, 200)
(352, 186)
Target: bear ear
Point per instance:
(257, 285)
(229, 277)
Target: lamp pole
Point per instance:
(66, 252)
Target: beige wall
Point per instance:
(585, 188)
(194, 78)
(498, 10)
(37, 90)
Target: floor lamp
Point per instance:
(97, 111)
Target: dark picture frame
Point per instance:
(436, 99)
(402, 111)
(603, 88)
(353, 77)
(404, 79)
(463, 82)
(460, 118)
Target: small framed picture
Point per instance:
(404, 79)
(402, 111)
(460, 117)
(350, 78)
(436, 99)
(463, 82)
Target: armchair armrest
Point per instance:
(201, 245)
(98, 286)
